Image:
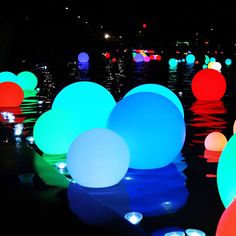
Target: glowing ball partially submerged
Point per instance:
(158, 89)
(226, 172)
(98, 158)
(152, 126)
(215, 141)
(90, 102)
(11, 94)
(83, 57)
(52, 134)
(27, 80)
(209, 85)
(7, 76)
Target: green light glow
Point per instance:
(27, 80)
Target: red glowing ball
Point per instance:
(144, 25)
(209, 85)
(11, 94)
(107, 55)
(226, 224)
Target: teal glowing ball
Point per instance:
(228, 62)
(98, 158)
(226, 172)
(159, 89)
(27, 80)
(152, 126)
(190, 59)
(52, 134)
(7, 76)
(173, 62)
(90, 102)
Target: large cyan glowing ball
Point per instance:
(190, 59)
(152, 126)
(7, 76)
(215, 141)
(172, 62)
(208, 84)
(11, 94)
(90, 102)
(53, 133)
(159, 89)
(98, 158)
(226, 172)
(226, 224)
(83, 57)
(27, 80)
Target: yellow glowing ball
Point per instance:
(215, 141)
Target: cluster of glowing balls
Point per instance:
(83, 57)
(90, 102)
(172, 62)
(208, 84)
(215, 141)
(98, 158)
(51, 132)
(11, 94)
(152, 126)
(226, 224)
(190, 59)
(158, 89)
(226, 172)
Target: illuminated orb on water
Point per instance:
(90, 102)
(7, 76)
(215, 141)
(228, 62)
(27, 80)
(208, 84)
(190, 58)
(172, 62)
(158, 89)
(98, 158)
(226, 224)
(53, 132)
(152, 126)
(83, 57)
(138, 57)
(133, 217)
(226, 172)
(11, 94)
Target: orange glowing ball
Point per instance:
(11, 94)
(215, 141)
(226, 224)
(209, 85)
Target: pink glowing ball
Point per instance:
(215, 141)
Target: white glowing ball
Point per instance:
(98, 158)
(215, 65)
(215, 141)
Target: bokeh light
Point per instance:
(27, 80)
(83, 57)
(172, 62)
(228, 62)
(7, 76)
(138, 57)
(190, 59)
(98, 158)
(215, 65)
(215, 141)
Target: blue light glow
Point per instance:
(175, 233)
(173, 62)
(83, 57)
(194, 232)
(133, 217)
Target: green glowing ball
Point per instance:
(7, 76)
(27, 80)
(226, 172)
(90, 102)
(53, 133)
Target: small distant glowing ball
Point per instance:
(226, 172)
(90, 102)
(7, 76)
(173, 62)
(234, 127)
(208, 84)
(215, 65)
(133, 217)
(190, 58)
(113, 59)
(152, 126)
(144, 26)
(11, 94)
(138, 57)
(212, 59)
(215, 141)
(194, 232)
(27, 80)
(98, 158)
(159, 89)
(204, 66)
(226, 224)
(52, 134)
(228, 62)
(107, 55)
(83, 57)
(146, 59)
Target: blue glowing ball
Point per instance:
(173, 62)
(152, 126)
(90, 102)
(27, 80)
(158, 89)
(83, 57)
(190, 58)
(7, 76)
(138, 58)
(98, 158)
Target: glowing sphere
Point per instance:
(172, 62)
(138, 57)
(90, 102)
(190, 58)
(11, 94)
(194, 232)
(133, 217)
(215, 141)
(226, 172)
(228, 62)
(234, 127)
(83, 57)
(158, 89)
(152, 126)
(212, 59)
(226, 224)
(98, 158)
(208, 84)
(7, 76)
(146, 59)
(27, 80)
(51, 132)
(215, 65)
